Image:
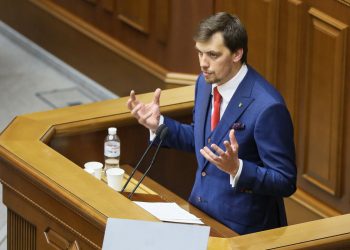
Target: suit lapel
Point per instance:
(203, 99)
(238, 104)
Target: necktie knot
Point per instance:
(216, 112)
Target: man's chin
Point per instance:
(210, 80)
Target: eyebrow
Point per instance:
(209, 51)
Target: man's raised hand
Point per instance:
(147, 115)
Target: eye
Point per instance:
(213, 55)
(200, 53)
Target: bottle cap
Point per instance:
(112, 131)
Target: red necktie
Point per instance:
(215, 117)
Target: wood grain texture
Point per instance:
(260, 17)
(20, 233)
(323, 165)
(135, 13)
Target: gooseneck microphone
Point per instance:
(162, 135)
(158, 133)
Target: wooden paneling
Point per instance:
(57, 241)
(260, 18)
(20, 233)
(144, 26)
(162, 22)
(290, 53)
(135, 14)
(91, 1)
(325, 94)
(108, 5)
(35, 208)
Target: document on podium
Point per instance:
(169, 211)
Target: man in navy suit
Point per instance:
(242, 133)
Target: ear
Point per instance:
(237, 55)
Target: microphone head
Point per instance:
(160, 129)
(163, 133)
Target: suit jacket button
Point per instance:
(199, 199)
(209, 139)
(204, 173)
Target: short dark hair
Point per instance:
(234, 34)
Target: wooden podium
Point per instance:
(53, 204)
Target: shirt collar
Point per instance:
(228, 89)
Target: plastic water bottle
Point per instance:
(112, 149)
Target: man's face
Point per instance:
(217, 62)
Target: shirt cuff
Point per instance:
(234, 179)
(153, 135)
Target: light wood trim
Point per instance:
(112, 44)
(301, 236)
(56, 240)
(313, 204)
(346, 2)
(180, 78)
(328, 19)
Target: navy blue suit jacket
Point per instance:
(264, 132)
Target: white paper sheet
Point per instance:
(169, 211)
(149, 235)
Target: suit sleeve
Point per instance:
(180, 135)
(276, 175)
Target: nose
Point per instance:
(203, 61)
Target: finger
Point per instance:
(228, 147)
(157, 96)
(130, 104)
(206, 155)
(144, 117)
(233, 138)
(135, 110)
(218, 150)
(213, 156)
(132, 95)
